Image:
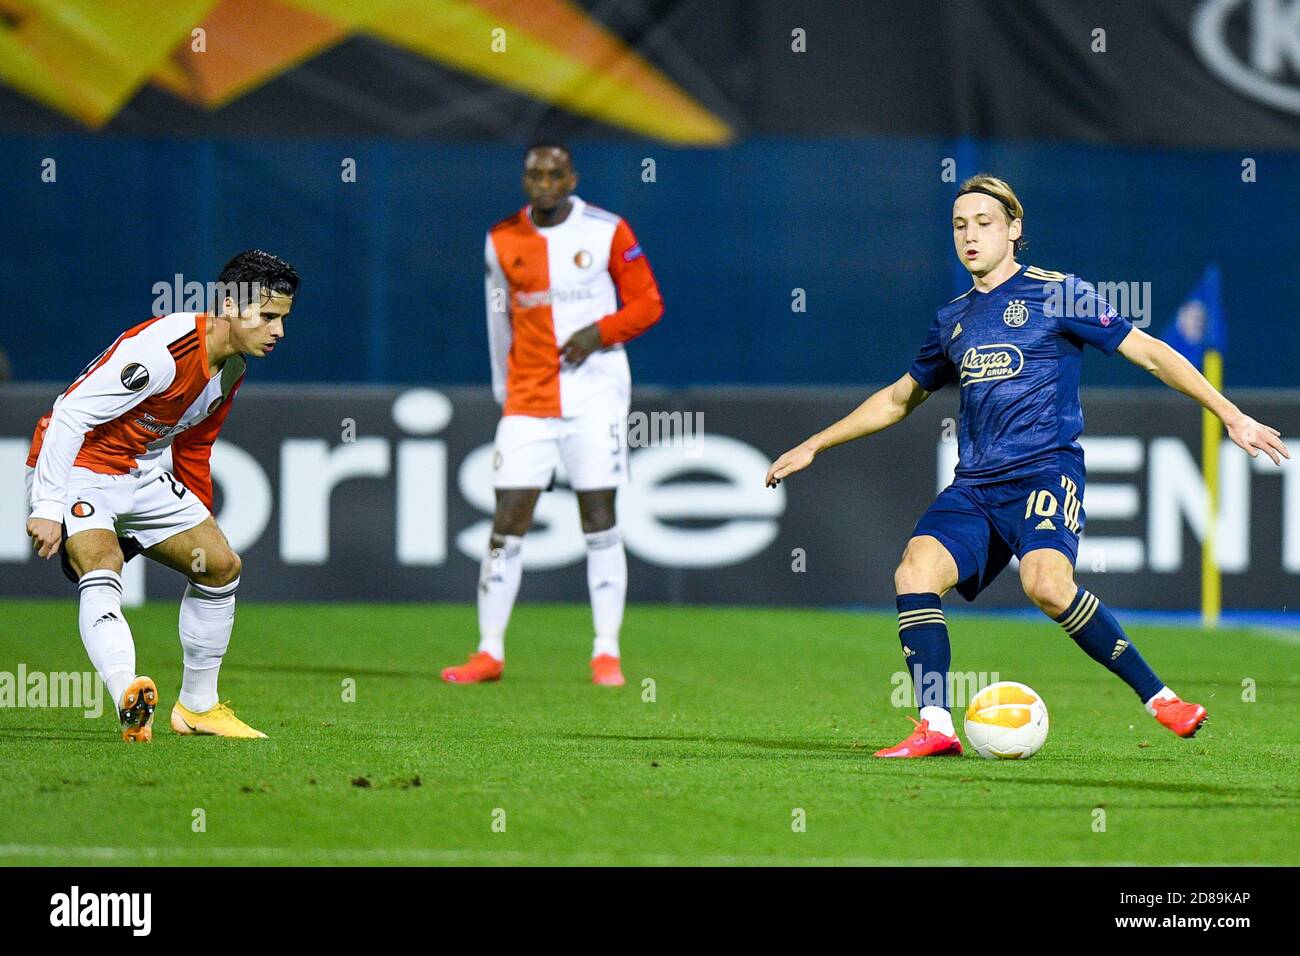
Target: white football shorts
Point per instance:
(592, 448)
(148, 508)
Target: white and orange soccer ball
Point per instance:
(1007, 721)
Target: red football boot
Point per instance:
(923, 742)
(480, 667)
(605, 671)
(1182, 718)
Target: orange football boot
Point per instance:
(606, 672)
(1182, 718)
(923, 742)
(136, 710)
(479, 668)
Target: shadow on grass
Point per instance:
(47, 733)
(1154, 786)
(970, 772)
(766, 743)
(336, 671)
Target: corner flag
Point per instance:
(1199, 331)
(1199, 326)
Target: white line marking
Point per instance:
(1277, 634)
(418, 855)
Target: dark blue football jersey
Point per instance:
(1015, 353)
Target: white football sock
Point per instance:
(498, 584)
(105, 632)
(207, 618)
(1164, 693)
(940, 720)
(607, 584)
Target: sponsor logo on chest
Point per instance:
(984, 363)
(203, 405)
(151, 424)
(534, 300)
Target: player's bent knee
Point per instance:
(913, 577)
(1051, 593)
(514, 512)
(597, 520)
(925, 568)
(222, 569)
(511, 523)
(94, 551)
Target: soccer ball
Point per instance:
(1006, 721)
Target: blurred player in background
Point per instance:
(556, 271)
(99, 494)
(1013, 343)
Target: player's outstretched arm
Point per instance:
(1166, 364)
(886, 407)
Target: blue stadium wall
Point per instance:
(392, 263)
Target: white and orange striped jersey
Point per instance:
(147, 391)
(544, 284)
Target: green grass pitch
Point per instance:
(756, 714)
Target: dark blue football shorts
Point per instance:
(982, 526)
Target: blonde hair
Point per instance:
(1000, 190)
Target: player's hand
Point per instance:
(1254, 438)
(581, 344)
(796, 459)
(45, 535)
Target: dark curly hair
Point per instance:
(271, 274)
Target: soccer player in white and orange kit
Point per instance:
(556, 271)
(99, 494)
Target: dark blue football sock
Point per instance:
(924, 636)
(1095, 629)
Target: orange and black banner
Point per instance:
(1214, 73)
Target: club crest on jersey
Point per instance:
(135, 376)
(1016, 314)
(582, 259)
(984, 363)
(214, 404)
(82, 509)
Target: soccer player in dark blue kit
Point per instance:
(1013, 345)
